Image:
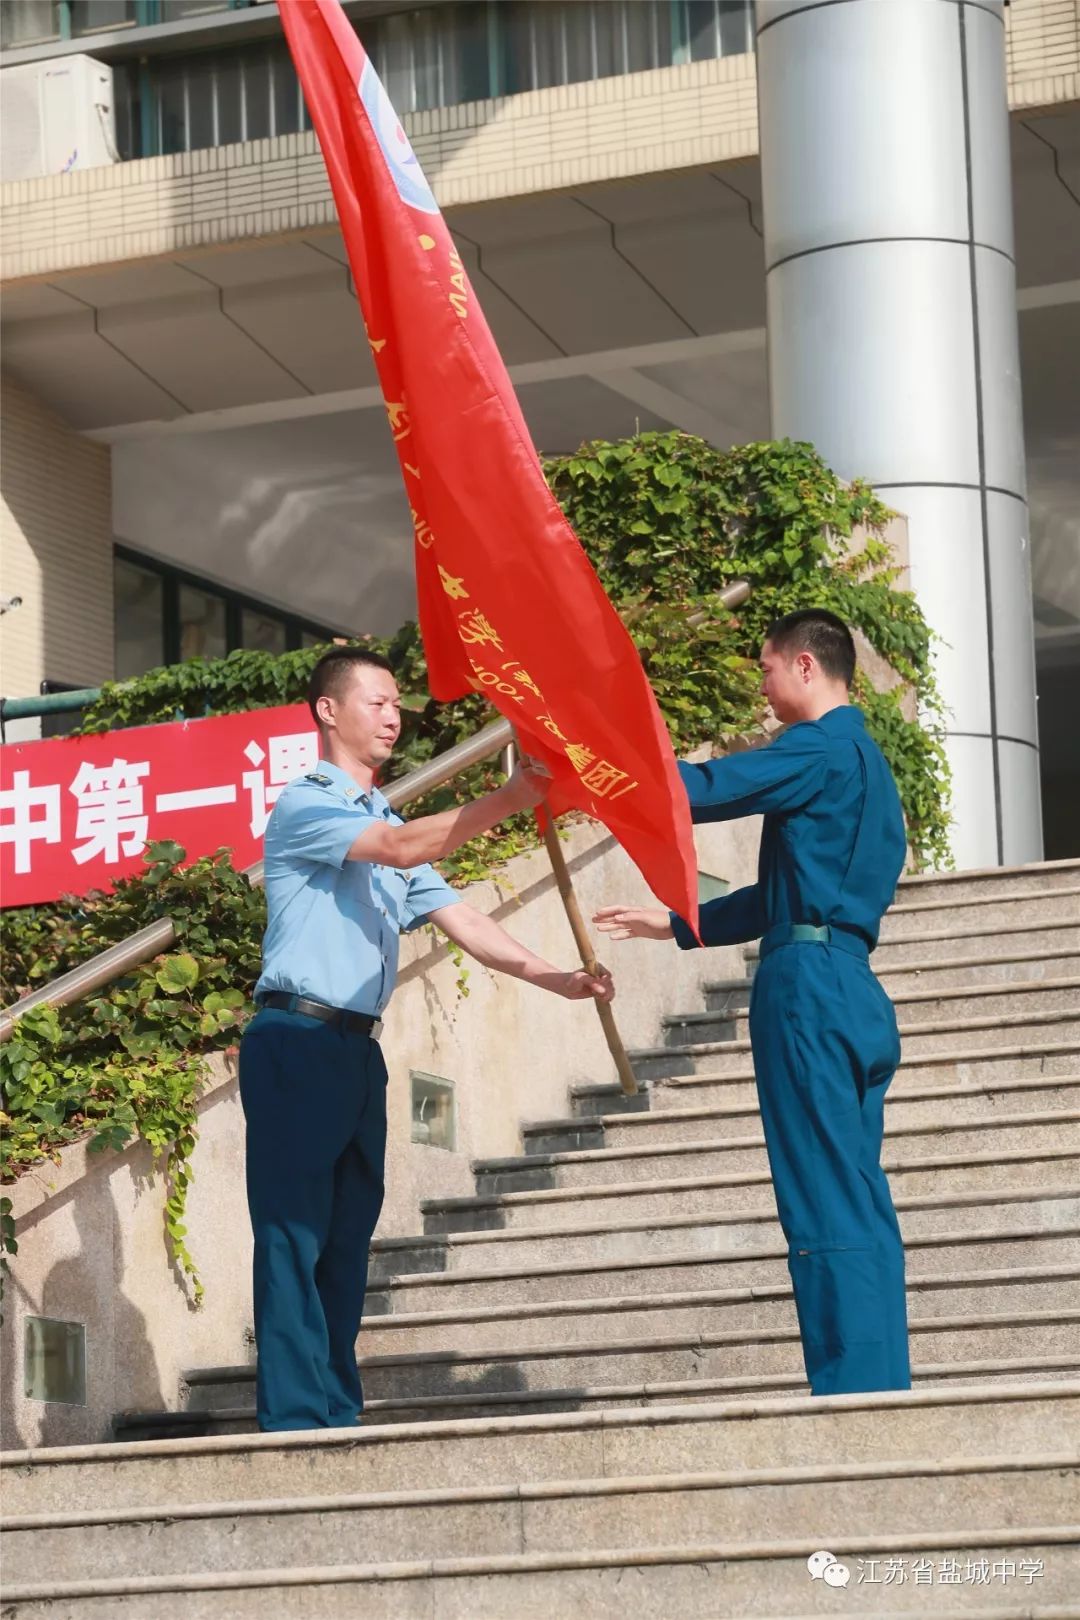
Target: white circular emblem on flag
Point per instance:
(401, 160)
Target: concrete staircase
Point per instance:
(585, 1386)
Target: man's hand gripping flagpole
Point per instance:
(589, 961)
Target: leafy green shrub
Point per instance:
(130, 1059)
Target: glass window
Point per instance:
(578, 22)
(433, 56)
(262, 632)
(427, 29)
(172, 108)
(256, 95)
(433, 1114)
(735, 27)
(514, 21)
(230, 101)
(663, 35)
(701, 29)
(308, 638)
(202, 624)
(466, 54)
(286, 93)
(201, 94)
(393, 59)
(54, 1360)
(548, 46)
(128, 114)
(639, 31)
(138, 618)
(93, 16)
(608, 39)
(28, 22)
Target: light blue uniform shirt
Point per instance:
(333, 924)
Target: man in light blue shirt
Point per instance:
(345, 877)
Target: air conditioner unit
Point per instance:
(56, 116)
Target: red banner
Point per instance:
(509, 604)
(77, 812)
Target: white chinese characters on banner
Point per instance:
(78, 813)
(111, 815)
(22, 827)
(290, 757)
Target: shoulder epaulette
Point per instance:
(319, 778)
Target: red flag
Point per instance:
(509, 603)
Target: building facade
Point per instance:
(856, 223)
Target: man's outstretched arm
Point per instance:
(731, 919)
(782, 776)
(489, 943)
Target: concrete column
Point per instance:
(57, 543)
(893, 341)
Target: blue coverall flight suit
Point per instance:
(823, 1030)
(314, 1094)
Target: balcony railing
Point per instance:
(436, 55)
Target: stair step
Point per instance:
(709, 1080)
(1044, 876)
(916, 1008)
(822, 1501)
(746, 1578)
(989, 912)
(941, 944)
(920, 1040)
(976, 1070)
(705, 1155)
(960, 969)
(929, 1106)
(596, 1237)
(729, 1307)
(614, 1355)
(724, 1193)
(1003, 967)
(999, 1249)
(478, 1403)
(1020, 1418)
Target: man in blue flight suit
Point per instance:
(822, 1028)
(344, 877)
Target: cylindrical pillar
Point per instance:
(893, 343)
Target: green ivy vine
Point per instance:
(130, 1060)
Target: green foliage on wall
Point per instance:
(129, 1060)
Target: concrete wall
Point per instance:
(90, 1232)
(1042, 42)
(56, 545)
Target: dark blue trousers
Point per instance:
(825, 1049)
(315, 1103)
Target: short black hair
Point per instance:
(817, 631)
(334, 670)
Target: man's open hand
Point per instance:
(634, 922)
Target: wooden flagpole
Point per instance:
(627, 1078)
(565, 884)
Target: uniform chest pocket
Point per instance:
(392, 888)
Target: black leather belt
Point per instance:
(353, 1023)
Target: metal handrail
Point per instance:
(149, 942)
